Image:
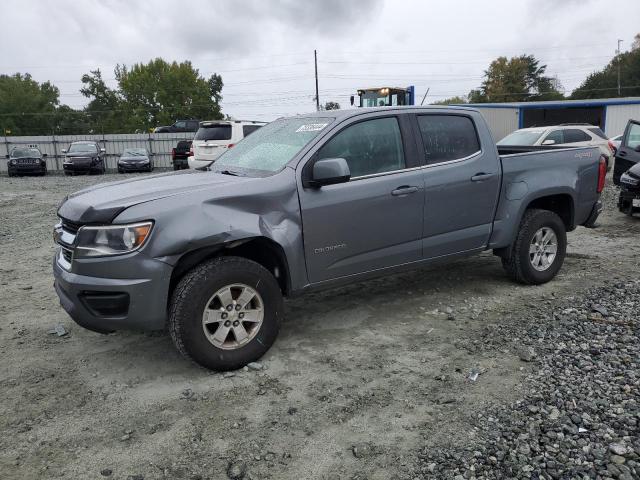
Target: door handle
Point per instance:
(404, 190)
(479, 177)
(622, 153)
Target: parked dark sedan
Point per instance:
(26, 160)
(135, 160)
(83, 157)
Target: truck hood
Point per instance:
(102, 203)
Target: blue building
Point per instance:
(610, 114)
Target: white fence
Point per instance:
(159, 145)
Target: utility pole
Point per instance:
(315, 61)
(618, 55)
(425, 96)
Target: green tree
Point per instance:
(518, 79)
(104, 111)
(68, 121)
(157, 93)
(604, 83)
(451, 101)
(26, 106)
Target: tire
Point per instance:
(197, 291)
(519, 264)
(176, 167)
(67, 173)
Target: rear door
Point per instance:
(462, 182)
(374, 220)
(629, 152)
(212, 140)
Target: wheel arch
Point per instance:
(562, 203)
(261, 250)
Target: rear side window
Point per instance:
(213, 132)
(598, 132)
(574, 135)
(249, 129)
(369, 147)
(447, 137)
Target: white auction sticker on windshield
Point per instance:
(312, 127)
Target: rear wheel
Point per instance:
(225, 313)
(538, 251)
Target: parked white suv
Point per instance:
(576, 135)
(213, 138)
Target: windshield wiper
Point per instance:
(229, 172)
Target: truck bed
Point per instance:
(561, 173)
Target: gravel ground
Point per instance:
(447, 372)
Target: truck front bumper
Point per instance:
(105, 304)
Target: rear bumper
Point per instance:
(193, 163)
(108, 304)
(181, 162)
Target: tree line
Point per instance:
(146, 96)
(159, 92)
(524, 79)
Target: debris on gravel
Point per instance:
(580, 417)
(236, 470)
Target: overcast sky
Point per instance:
(264, 49)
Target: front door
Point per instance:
(374, 220)
(462, 184)
(629, 152)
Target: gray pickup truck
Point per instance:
(311, 202)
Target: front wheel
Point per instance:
(225, 313)
(538, 252)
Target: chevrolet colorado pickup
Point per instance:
(311, 202)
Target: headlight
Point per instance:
(13, 162)
(111, 239)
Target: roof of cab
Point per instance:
(352, 112)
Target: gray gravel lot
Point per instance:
(372, 381)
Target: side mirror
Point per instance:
(549, 142)
(330, 171)
(637, 149)
(44, 155)
(102, 150)
(7, 155)
(64, 150)
(352, 100)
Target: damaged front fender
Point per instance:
(226, 216)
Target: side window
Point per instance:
(372, 146)
(632, 140)
(556, 135)
(447, 137)
(574, 135)
(249, 129)
(181, 125)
